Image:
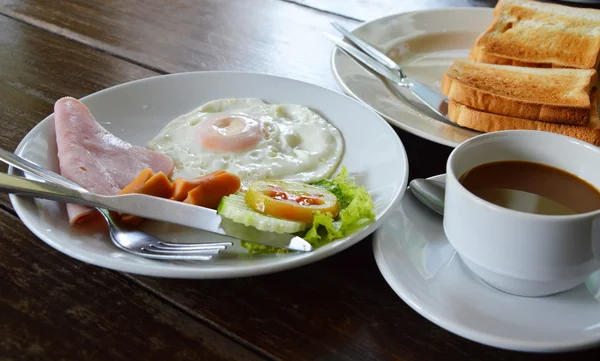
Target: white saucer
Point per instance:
(420, 265)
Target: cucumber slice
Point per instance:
(235, 208)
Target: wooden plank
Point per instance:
(337, 309)
(365, 10)
(54, 308)
(265, 36)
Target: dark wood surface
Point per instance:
(53, 307)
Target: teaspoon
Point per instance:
(429, 192)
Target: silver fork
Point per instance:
(130, 240)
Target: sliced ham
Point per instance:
(94, 158)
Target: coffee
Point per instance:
(531, 187)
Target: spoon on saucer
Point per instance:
(431, 193)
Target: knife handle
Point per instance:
(31, 188)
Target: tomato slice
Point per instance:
(290, 200)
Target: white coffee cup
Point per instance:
(523, 253)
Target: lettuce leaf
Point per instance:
(356, 211)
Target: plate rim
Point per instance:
(404, 293)
(189, 272)
(419, 133)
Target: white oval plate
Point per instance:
(416, 260)
(424, 44)
(138, 110)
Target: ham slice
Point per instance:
(94, 158)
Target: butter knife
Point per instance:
(149, 207)
(433, 99)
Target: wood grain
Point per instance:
(337, 309)
(365, 10)
(265, 36)
(54, 308)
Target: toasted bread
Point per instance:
(488, 122)
(550, 95)
(530, 33)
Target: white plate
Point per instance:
(137, 111)
(424, 44)
(420, 265)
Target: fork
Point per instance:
(127, 239)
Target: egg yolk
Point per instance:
(233, 133)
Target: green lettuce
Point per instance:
(356, 211)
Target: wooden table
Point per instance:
(53, 307)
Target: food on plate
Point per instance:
(211, 188)
(263, 167)
(205, 191)
(290, 200)
(550, 95)
(536, 34)
(488, 122)
(146, 182)
(94, 158)
(235, 208)
(150, 183)
(499, 87)
(351, 210)
(253, 140)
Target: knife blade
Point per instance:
(149, 207)
(434, 100)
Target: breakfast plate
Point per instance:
(424, 44)
(137, 111)
(416, 260)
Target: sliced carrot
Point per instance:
(182, 186)
(138, 182)
(157, 185)
(205, 191)
(211, 188)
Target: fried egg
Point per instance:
(253, 140)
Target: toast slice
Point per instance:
(531, 33)
(488, 122)
(549, 95)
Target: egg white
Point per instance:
(298, 144)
